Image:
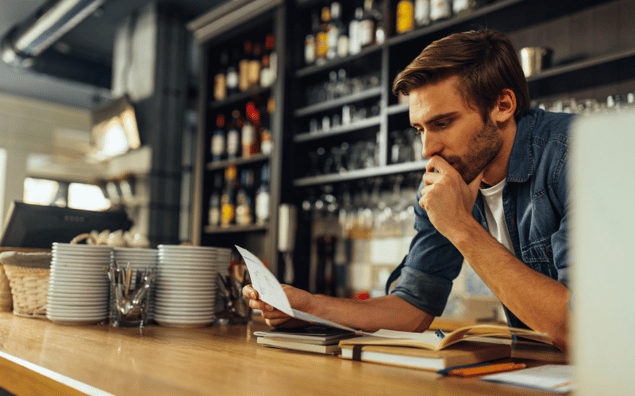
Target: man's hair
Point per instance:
(485, 61)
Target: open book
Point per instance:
(435, 351)
(437, 340)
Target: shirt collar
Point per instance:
(520, 166)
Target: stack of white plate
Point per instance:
(185, 291)
(78, 284)
(223, 260)
(139, 259)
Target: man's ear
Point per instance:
(505, 106)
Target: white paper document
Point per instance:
(270, 291)
(551, 377)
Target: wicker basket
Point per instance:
(6, 302)
(28, 275)
(29, 289)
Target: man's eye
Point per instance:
(442, 124)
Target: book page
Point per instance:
(550, 377)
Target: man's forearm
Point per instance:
(388, 312)
(539, 301)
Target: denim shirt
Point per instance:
(536, 206)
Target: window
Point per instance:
(43, 192)
(87, 197)
(73, 195)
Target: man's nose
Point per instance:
(431, 146)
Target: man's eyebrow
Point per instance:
(436, 118)
(441, 116)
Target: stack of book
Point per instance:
(317, 339)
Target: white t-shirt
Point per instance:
(495, 215)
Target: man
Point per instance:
(494, 193)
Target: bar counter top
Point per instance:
(38, 357)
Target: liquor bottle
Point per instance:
(335, 27)
(266, 138)
(322, 40)
(220, 78)
(310, 41)
(244, 198)
(462, 8)
(218, 139)
(380, 31)
(367, 25)
(269, 63)
(440, 9)
(233, 136)
(255, 66)
(214, 213)
(262, 197)
(249, 138)
(233, 77)
(422, 12)
(405, 16)
(244, 66)
(228, 198)
(343, 43)
(354, 44)
(309, 49)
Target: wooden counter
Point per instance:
(216, 360)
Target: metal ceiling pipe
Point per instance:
(28, 40)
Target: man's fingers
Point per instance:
(250, 292)
(439, 164)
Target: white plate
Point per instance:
(185, 248)
(78, 281)
(86, 311)
(206, 296)
(176, 304)
(71, 246)
(77, 301)
(194, 255)
(130, 250)
(207, 316)
(84, 262)
(186, 276)
(78, 273)
(184, 311)
(80, 253)
(167, 267)
(79, 289)
(184, 289)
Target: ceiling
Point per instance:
(92, 39)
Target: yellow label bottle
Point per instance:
(405, 16)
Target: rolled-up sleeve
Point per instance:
(425, 277)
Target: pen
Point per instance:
(489, 369)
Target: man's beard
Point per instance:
(482, 149)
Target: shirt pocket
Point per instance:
(539, 256)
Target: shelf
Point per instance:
(341, 130)
(237, 162)
(361, 174)
(239, 97)
(332, 104)
(398, 109)
(585, 64)
(314, 69)
(443, 25)
(235, 229)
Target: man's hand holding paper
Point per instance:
(275, 300)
